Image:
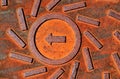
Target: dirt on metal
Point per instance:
(60, 39)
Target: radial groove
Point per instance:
(16, 38)
(21, 57)
(35, 71)
(74, 70)
(35, 7)
(88, 59)
(52, 4)
(93, 39)
(21, 19)
(88, 20)
(114, 14)
(57, 74)
(74, 6)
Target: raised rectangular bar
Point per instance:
(4, 2)
(111, 1)
(88, 59)
(117, 35)
(114, 14)
(21, 57)
(57, 74)
(21, 19)
(106, 75)
(74, 6)
(35, 71)
(52, 4)
(35, 7)
(88, 20)
(3, 78)
(93, 39)
(16, 38)
(74, 70)
(116, 60)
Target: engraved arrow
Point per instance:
(55, 39)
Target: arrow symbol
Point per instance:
(55, 39)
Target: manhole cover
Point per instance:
(58, 26)
(60, 39)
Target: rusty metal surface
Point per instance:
(60, 39)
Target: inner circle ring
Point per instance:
(38, 23)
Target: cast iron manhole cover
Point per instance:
(59, 39)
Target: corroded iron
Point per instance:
(59, 39)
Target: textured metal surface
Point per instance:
(59, 39)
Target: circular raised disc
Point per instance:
(39, 22)
(51, 48)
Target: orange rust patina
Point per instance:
(57, 28)
(98, 22)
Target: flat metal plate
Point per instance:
(60, 39)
